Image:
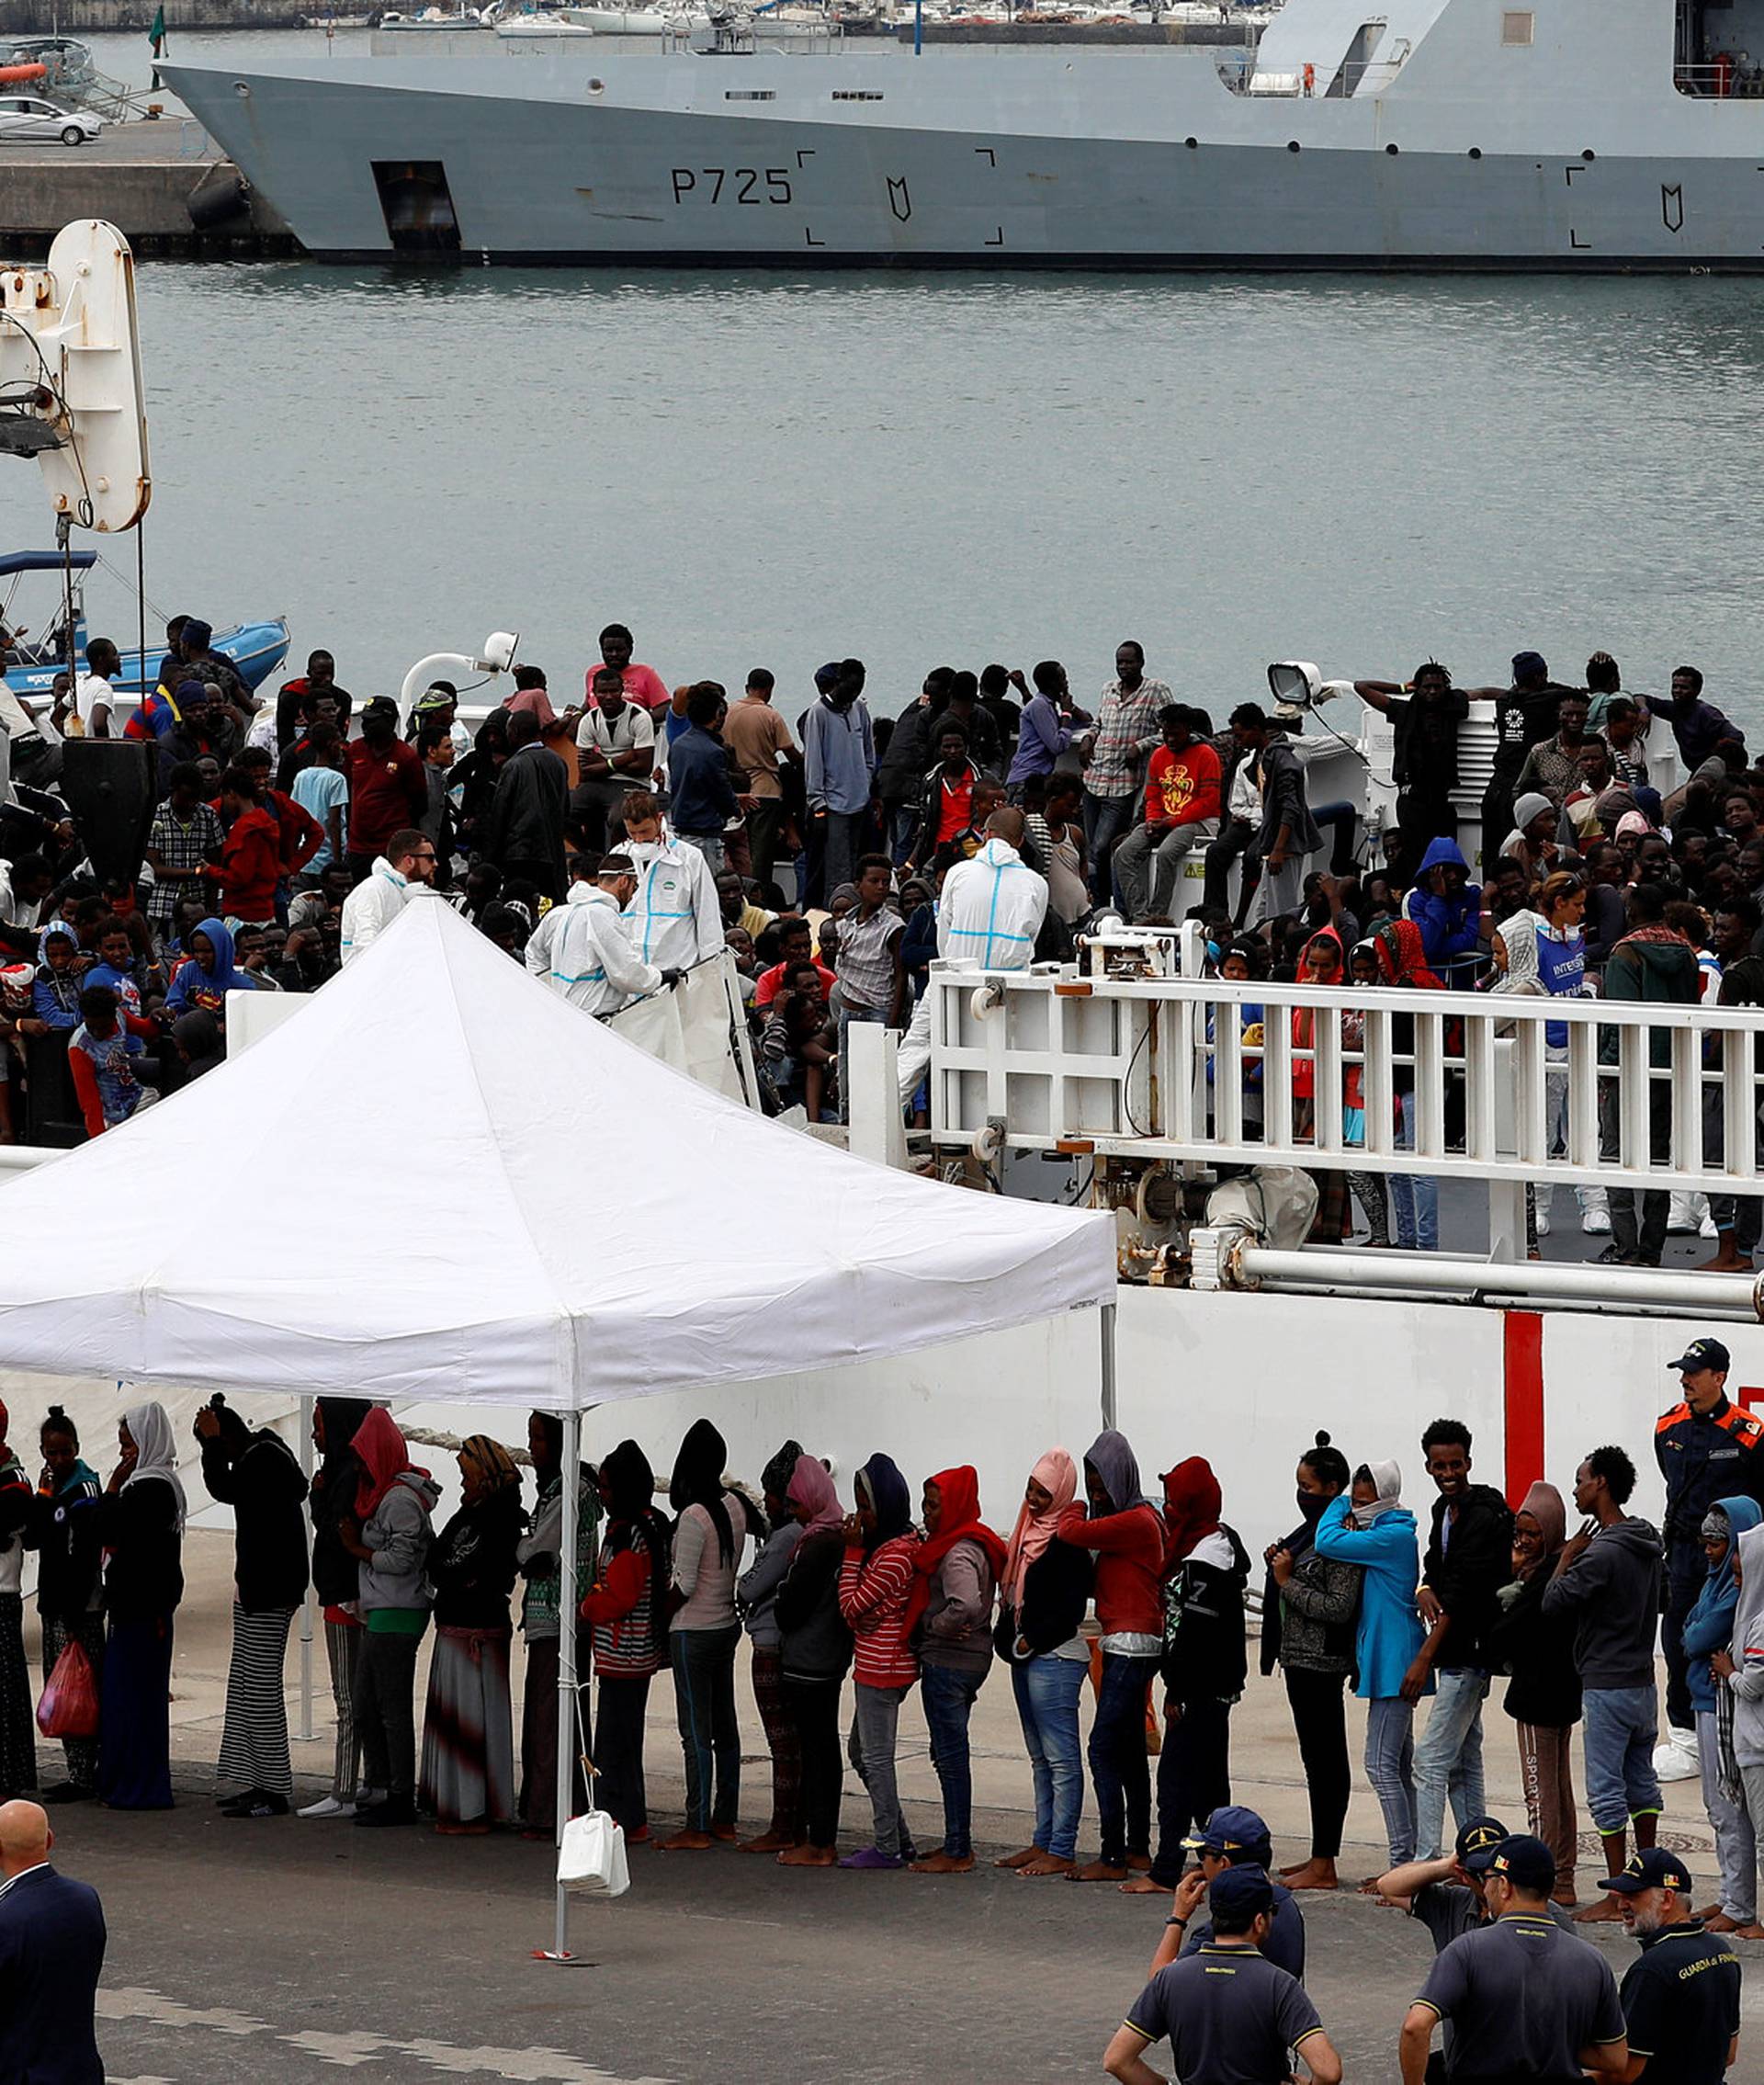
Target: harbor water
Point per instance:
(771, 469)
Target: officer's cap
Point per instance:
(1525, 1861)
(1234, 1833)
(1481, 1835)
(1703, 1354)
(1656, 1869)
(1240, 1893)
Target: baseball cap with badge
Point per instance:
(1525, 1861)
(1479, 1841)
(1240, 1893)
(1656, 1869)
(1701, 1353)
(1235, 1834)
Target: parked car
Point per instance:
(26, 120)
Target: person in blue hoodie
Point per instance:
(1374, 1529)
(1708, 1627)
(205, 978)
(1447, 907)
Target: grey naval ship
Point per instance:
(1562, 135)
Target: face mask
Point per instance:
(1311, 1506)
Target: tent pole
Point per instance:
(1107, 1315)
(569, 1599)
(310, 1600)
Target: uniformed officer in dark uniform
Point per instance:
(1231, 2015)
(1707, 1449)
(1446, 1895)
(1524, 1999)
(1232, 1836)
(1681, 1998)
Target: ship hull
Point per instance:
(682, 161)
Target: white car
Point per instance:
(25, 119)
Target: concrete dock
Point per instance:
(164, 184)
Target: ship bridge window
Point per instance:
(856, 94)
(1518, 30)
(749, 93)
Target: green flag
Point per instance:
(156, 35)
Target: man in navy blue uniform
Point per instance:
(1707, 1449)
(52, 1952)
(1232, 1838)
(1231, 2016)
(1523, 1998)
(1682, 1998)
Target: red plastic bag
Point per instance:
(68, 1707)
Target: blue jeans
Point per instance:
(948, 1695)
(1390, 1768)
(1414, 1197)
(1118, 1770)
(1449, 1758)
(1047, 1690)
(704, 1697)
(1105, 820)
(1620, 1725)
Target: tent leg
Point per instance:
(569, 1599)
(309, 1605)
(1107, 1315)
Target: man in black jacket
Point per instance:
(526, 814)
(1468, 1559)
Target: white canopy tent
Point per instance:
(531, 1199)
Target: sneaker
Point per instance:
(1706, 1229)
(1613, 1256)
(1542, 1224)
(365, 1797)
(1595, 1223)
(329, 1807)
(395, 1809)
(1676, 1758)
(261, 1802)
(872, 1857)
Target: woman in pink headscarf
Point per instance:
(1042, 1592)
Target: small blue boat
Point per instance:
(258, 650)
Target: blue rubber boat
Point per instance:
(258, 650)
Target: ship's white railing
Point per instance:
(1173, 1069)
(1316, 82)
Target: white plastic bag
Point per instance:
(592, 1858)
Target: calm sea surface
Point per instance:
(768, 469)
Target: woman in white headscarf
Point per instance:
(1372, 1528)
(140, 1524)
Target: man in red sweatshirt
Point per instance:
(388, 789)
(1181, 812)
(251, 854)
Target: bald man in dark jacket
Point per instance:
(52, 1954)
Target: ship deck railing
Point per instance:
(1308, 83)
(1170, 1068)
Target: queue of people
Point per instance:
(1098, 1591)
(1096, 1588)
